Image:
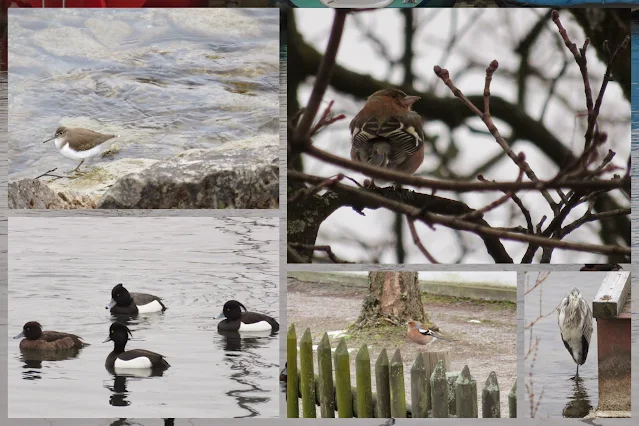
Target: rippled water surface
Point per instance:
(165, 80)
(61, 271)
(554, 369)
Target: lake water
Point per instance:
(61, 272)
(165, 80)
(554, 368)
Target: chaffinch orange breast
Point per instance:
(387, 133)
(420, 335)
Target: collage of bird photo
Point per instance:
(283, 210)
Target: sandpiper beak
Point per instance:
(111, 304)
(19, 335)
(50, 139)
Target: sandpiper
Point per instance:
(80, 144)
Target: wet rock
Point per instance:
(95, 180)
(241, 178)
(35, 194)
(240, 174)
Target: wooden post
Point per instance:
(292, 382)
(490, 398)
(382, 379)
(439, 391)
(307, 376)
(430, 362)
(398, 392)
(325, 369)
(451, 381)
(512, 401)
(419, 388)
(466, 395)
(363, 380)
(343, 381)
(612, 310)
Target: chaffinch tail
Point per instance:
(387, 133)
(421, 336)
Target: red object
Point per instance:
(110, 3)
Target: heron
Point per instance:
(575, 326)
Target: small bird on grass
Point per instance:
(387, 133)
(422, 336)
(80, 144)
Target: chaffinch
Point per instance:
(420, 335)
(387, 133)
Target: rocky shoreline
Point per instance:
(238, 175)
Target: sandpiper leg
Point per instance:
(76, 169)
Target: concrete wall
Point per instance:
(484, 290)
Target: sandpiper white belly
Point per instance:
(69, 152)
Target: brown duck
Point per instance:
(36, 339)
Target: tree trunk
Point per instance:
(394, 298)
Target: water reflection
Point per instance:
(239, 351)
(33, 360)
(119, 393)
(124, 422)
(235, 342)
(578, 405)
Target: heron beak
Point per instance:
(410, 100)
(111, 304)
(20, 335)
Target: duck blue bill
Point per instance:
(19, 335)
(111, 304)
(108, 338)
(220, 316)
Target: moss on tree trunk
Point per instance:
(393, 298)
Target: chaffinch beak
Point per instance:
(408, 101)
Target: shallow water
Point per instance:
(554, 368)
(165, 80)
(61, 272)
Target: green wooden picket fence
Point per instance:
(435, 391)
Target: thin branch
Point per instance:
(444, 75)
(302, 133)
(48, 173)
(455, 223)
(404, 179)
(315, 189)
(591, 217)
(325, 249)
(418, 242)
(493, 205)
